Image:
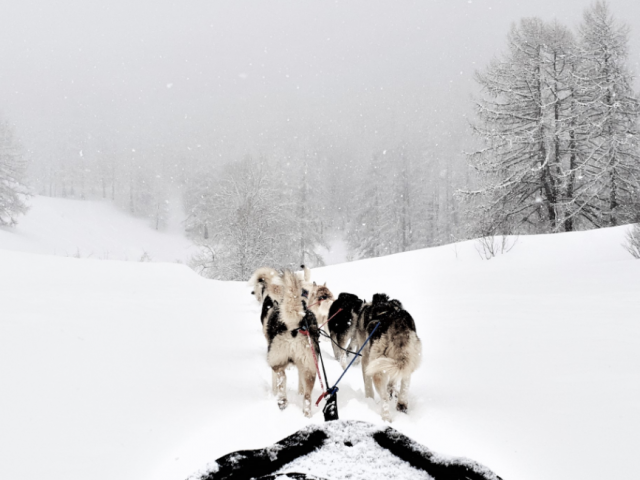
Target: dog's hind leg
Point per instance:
(381, 381)
(281, 386)
(274, 382)
(354, 346)
(337, 353)
(391, 388)
(403, 400)
(309, 381)
(368, 383)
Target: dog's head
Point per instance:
(347, 302)
(320, 299)
(380, 298)
(321, 293)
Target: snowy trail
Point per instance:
(146, 371)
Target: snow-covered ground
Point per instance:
(95, 229)
(140, 371)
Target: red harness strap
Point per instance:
(339, 310)
(315, 358)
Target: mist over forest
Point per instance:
(277, 126)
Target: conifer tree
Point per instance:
(13, 192)
(560, 125)
(610, 113)
(520, 166)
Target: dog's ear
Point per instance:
(325, 284)
(314, 284)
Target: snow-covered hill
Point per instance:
(139, 371)
(94, 229)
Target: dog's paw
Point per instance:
(306, 409)
(385, 412)
(392, 393)
(402, 407)
(282, 403)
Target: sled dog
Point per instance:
(320, 301)
(392, 354)
(344, 313)
(287, 343)
(319, 297)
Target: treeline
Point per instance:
(142, 180)
(278, 211)
(382, 193)
(559, 122)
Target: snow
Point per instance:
(337, 251)
(363, 459)
(94, 229)
(131, 370)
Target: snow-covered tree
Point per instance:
(610, 112)
(559, 121)
(307, 220)
(373, 230)
(523, 123)
(13, 192)
(244, 224)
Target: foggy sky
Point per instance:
(242, 74)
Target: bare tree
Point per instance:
(246, 225)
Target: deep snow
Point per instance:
(138, 371)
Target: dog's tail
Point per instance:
(307, 273)
(267, 281)
(399, 361)
(292, 297)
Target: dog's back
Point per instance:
(393, 352)
(343, 315)
(394, 347)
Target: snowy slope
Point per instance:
(142, 371)
(94, 229)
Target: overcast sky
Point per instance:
(204, 72)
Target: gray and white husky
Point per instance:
(393, 352)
